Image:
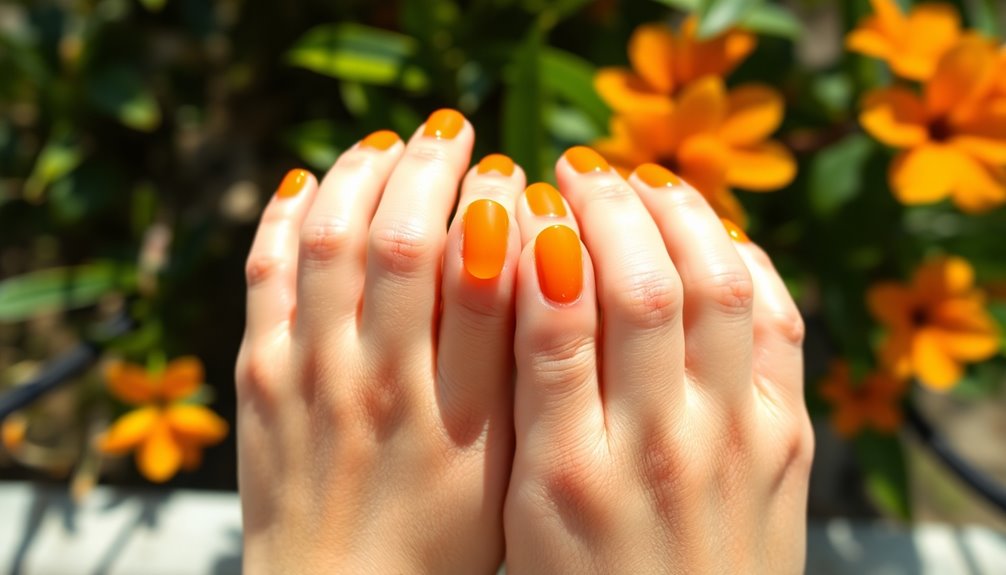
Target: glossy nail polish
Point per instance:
(381, 140)
(584, 160)
(292, 183)
(444, 124)
(496, 162)
(657, 176)
(735, 232)
(544, 200)
(485, 238)
(559, 262)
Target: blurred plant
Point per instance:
(873, 403)
(166, 429)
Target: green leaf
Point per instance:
(523, 125)
(882, 459)
(121, 93)
(717, 16)
(772, 20)
(59, 157)
(57, 289)
(153, 5)
(984, 16)
(836, 173)
(683, 5)
(315, 142)
(571, 78)
(360, 54)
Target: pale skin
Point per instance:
(657, 422)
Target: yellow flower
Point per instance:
(873, 404)
(911, 44)
(713, 138)
(954, 135)
(663, 63)
(936, 324)
(167, 434)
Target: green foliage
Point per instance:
(59, 289)
(882, 458)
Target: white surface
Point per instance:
(181, 532)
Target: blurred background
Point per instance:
(140, 139)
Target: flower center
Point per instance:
(919, 317)
(671, 163)
(939, 130)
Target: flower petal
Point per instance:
(160, 456)
(651, 52)
(942, 277)
(702, 162)
(653, 132)
(192, 457)
(847, 420)
(701, 108)
(754, 111)
(762, 167)
(129, 430)
(933, 28)
(710, 57)
(129, 383)
(895, 116)
(925, 174)
(890, 18)
(869, 40)
(726, 205)
(963, 313)
(620, 149)
(978, 188)
(968, 346)
(195, 424)
(964, 74)
(890, 304)
(182, 377)
(896, 353)
(626, 92)
(931, 363)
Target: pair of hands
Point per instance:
(657, 422)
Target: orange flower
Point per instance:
(873, 404)
(936, 324)
(713, 138)
(663, 63)
(166, 433)
(911, 44)
(954, 135)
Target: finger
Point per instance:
(639, 291)
(717, 285)
(778, 325)
(542, 206)
(271, 269)
(333, 238)
(475, 355)
(557, 402)
(407, 235)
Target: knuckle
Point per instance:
(427, 153)
(326, 239)
(261, 267)
(496, 193)
(791, 326)
(253, 372)
(613, 192)
(564, 365)
(403, 247)
(649, 299)
(731, 291)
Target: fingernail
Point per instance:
(380, 140)
(498, 162)
(584, 160)
(657, 176)
(292, 183)
(444, 124)
(544, 200)
(485, 239)
(559, 261)
(735, 232)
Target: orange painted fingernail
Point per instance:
(560, 264)
(380, 140)
(584, 160)
(292, 183)
(444, 124)
(735, 231)
(498, 162)
(544, 200)
(657, 176)
(486, 235)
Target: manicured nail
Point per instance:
(584, 160)
(292, 183)
(560, 266)
(657, 176)
(444, 124)
(498, 162)
(485, 239)
(735, 232)
(380, 140)
(544, 200)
